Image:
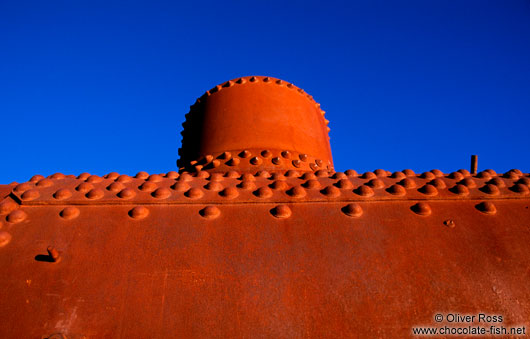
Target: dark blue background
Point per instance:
(96, 87)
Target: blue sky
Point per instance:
(90, 86)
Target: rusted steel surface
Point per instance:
(248, 249)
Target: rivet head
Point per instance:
(247, 177)
(202, 174)
(214, 186)
(62, 194)
(161, 193)
(421, 208)
(312, 184)
(126, 193)
(225, 155)
(364, 191)
(16, 216)
(263, 192)
(398, 175)
(36, 177)
(308, 176)
(286, 154)
(438, 183)
(468, 182)
(94, 179)
(172, 175)
(210, 212)
(139, 212)
(460, 189)
(491, 172)
(155, 178)
(245, 154)
(408, 172)
(279, 185)
(148, 186)
(180, 186)
(486, 207)
(490, 189)
(339, 175)
(292, 174)
(255, 161)
(141, 175)
(456, 176)
(7, 206)
(277, 176)
(124, 178)
(449, 223)
(20, 188)
(216, 177)
(313, 167)
(229, 193)
(31, 194)
(429, 190)
(296, 163)
(512, 174)
(303, 157)
(266, 154)
(115, 187)
(57, 176)
(520, 188)
(380, 172)
(351, 173)
(352, 210)
(281, 211)
(319, 162)
(427, 175)
(497, 182)
(297, 192)
(376, 183)
(69, 213)
(464, 172)
(437, 173)
(397, 190)
(331, 191)
(276, 160)
(112, 175)
(95, 193)
(247, 185)
(194, 193)
(185, 177)
(407, 183)
(368, 175)
(83, 176)
(44, 183)
(232, 174)
(322, 173)
(5, 238)
(263, 174)
(484, 175)
(84, 187)
(207, 158)
(344, 184)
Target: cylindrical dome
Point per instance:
(255, 123)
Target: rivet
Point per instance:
(456, 176)
(247, 185)
(180, 186)
(83, 176)
(516, 171)
(464, 172)
(44, 183)
(277, 176)
(7, 206)
(286, 154)
(247, 177)
(331, 191)
(210, 212)
(486, 207)
(344, 184)
(376, 183)
(263, 192)
(194, 193)
(31, 194)
(53, 254)
(185, 177)
(225, 155)
(155, 178)
(449, 223)
(207, 159)
(263, 174)
(281, 211)
(438, 183)
(491, 172)
(229, 192)
(16, 216)
(232, 174)
(352, 210)
(524, 181)
(408, 172)
(126, 193)
(115, 187)
(484, 175)
(62, 194)
(255, 161)
(368, 175)
(57, 176)
(421, 208)
(216, 177)
(112, 175)
(202, 174)
(428, 189)
(313, 166)
(339, 175)
(36, 178)
(351, 173)
(172, 175)
(468, 182)
(490, 189)
(511, 175)
(124, 178)
(139, 212)
(297, 192)
(290, 85)
(364, 191)
(233, 162)
(520, 188)
(303, 156)
(95, 193)
(398, 175)
(161, 193)
(213, 186)
(94, 179)
(276, 160)
(407, 183)
(437, 173)
(279, 82)
(427, 176)
(497, 182)
(228, 84)
(460, 189)
(5, 238)
(308, 176)
(319, 162)
(266, 154)
(397, 190)
(245, 154)
(312, 184)
(292, 174)
(266, 79)
(252, 79)
(69, 213)
(296, 163)
(380, 172)
(279, 185)
(148, 186)
(20, 188)
(322, 173)
(141, 175)
(197, 168)
(240, 81)
(84, 187)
